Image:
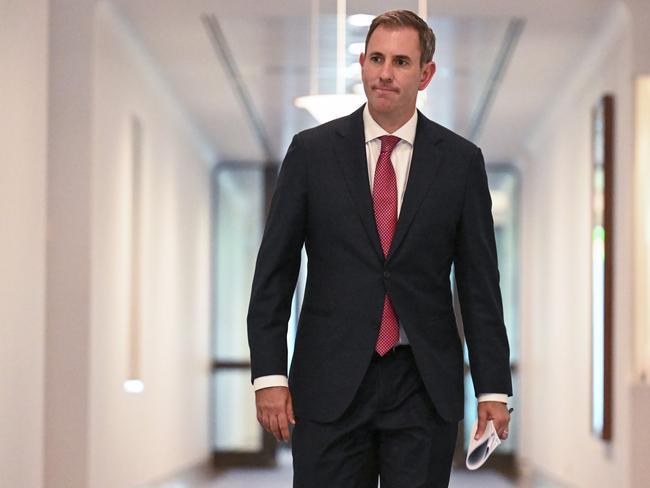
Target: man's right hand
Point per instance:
(275, 411)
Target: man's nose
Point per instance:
(386, 73)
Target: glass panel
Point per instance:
(504, 190)
(236, 427)
(240, 214)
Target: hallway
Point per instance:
(140, 142)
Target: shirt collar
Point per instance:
(373, 130)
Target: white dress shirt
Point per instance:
(401, 159)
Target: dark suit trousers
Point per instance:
(391, 431)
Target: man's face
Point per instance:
(391, 71)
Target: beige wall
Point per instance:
(23, 77)
(69, 87)
(68, 246)
(136, 438)
(556, 336)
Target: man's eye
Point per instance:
(375, 59)
(401, 62)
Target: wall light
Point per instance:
(133, 386)
(133, 382)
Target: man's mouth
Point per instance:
(385, 89)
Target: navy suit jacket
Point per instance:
(323, 199)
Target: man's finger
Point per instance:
(504, 428)
(284, 427)
(482, 424)
(260, 418)
(290, 416)
(275, 428)
(266, 422)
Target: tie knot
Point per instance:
(388, 143)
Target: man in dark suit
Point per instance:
(384, 201)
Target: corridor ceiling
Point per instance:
(270, 45)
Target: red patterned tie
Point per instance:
(384, 200)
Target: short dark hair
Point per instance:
(395, 19)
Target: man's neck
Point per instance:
(391, 122)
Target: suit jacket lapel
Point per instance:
(424, 163)
(351, 153)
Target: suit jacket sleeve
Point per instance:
(277, 267)
(477, 278)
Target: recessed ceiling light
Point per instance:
(360, 20)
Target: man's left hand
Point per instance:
(498, 413)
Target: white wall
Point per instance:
(136, 438)
(132, 438)
(23, 76)
(556, 337)
(68, 246)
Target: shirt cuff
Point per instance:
(493, 397)
(269, 381)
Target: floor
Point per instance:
(281, 478)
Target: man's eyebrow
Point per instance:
(398, 56)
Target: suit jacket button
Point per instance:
(386, 274)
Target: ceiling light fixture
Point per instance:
(331, 106)
(356, 48)
(360, 20)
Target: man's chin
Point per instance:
(382, 105)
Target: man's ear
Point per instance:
(427, 74)
(362, 59)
